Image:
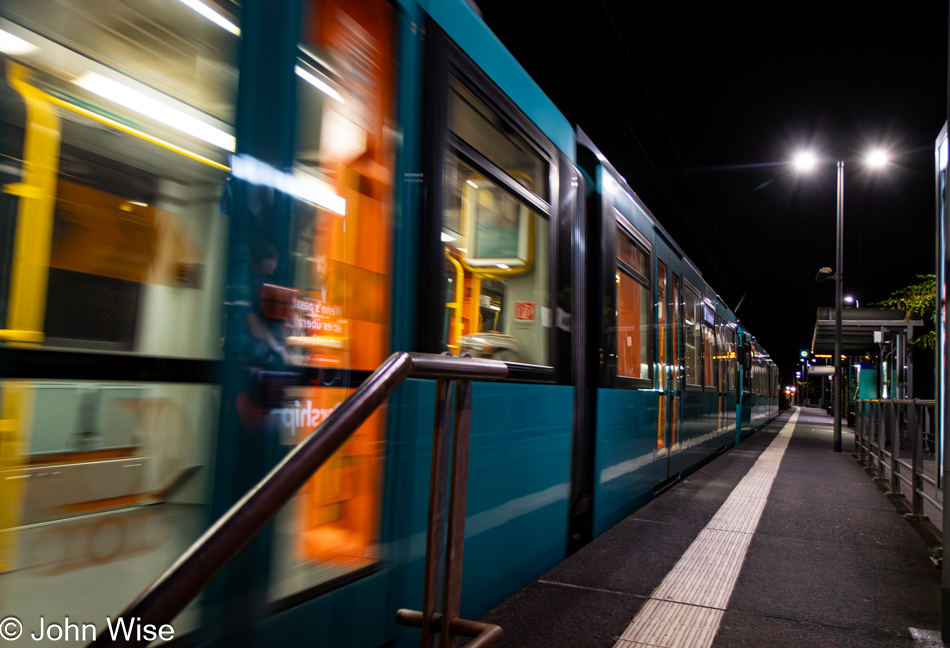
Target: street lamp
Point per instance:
(806, 161)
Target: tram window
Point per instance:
(495, 247)
(634, 308)
(722, 354)
(499, 310)
(160, 44)
(730, 335)
(676, 367)
(481, 128)
(691, 321)
(709, 352)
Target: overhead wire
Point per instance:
(665, 131)
(630, 134)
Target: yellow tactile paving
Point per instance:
(686, 609)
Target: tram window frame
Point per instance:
(697, 318)
(722, 355)
(647, 284)
(708, 350)
(731, 362)
(447, 64)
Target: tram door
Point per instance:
(669, 361)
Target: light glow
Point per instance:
(14, 45)
(318, 83)
(212, 15)
(155, 109)
(298, 185)
(877, 159)
(805, 161)
(446, 238)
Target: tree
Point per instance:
(917, 300)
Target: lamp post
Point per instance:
(806, 161)
(839, 300)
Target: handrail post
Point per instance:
(859, 432)
(881, 439)
(915, 435)
(866, 434)
(445, 538)
(459, 492)
(895, 448)
(438, 495)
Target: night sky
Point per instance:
(701, 106)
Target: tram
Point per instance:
(202, 195)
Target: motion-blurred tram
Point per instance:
(202, 195)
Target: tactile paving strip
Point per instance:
(671, 625)
(686, 609)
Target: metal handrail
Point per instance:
(161, 602)
(881, 422)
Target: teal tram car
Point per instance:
(219, 218)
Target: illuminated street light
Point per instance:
(877, 158)
(805, 161)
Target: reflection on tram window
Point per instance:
(634, 307)
(709, 349)
(485, 131)
(102, 482)
(691, 322)
(330, 309)
(496, 258)
(731, 363)
(164, 45)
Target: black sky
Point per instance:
(700, 106)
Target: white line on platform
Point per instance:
(686, 609)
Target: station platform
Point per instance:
(778, 542)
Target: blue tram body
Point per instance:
(485, 223)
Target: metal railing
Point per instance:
(882, 428)
(198, 565)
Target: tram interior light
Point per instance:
(14, 45)
(212, 15)
(318, 83)
(152, 108)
